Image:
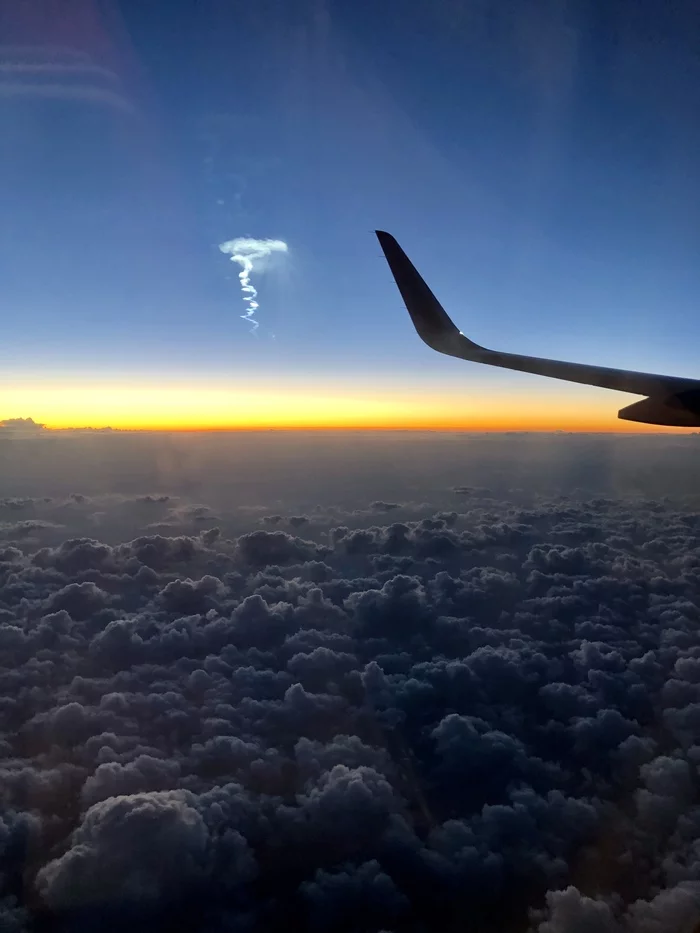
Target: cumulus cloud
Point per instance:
(133, 849)
(20, 425)
(384, 717)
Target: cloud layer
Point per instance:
(388, 717)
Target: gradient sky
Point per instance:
(537, 161)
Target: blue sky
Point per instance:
(537, 161)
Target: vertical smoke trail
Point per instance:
(251, 255)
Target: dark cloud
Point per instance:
(484, 717)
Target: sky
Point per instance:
(536, 161)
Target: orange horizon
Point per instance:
(432, 427)
(178, 408)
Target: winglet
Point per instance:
(430, 319)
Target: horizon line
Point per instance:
(38, 430)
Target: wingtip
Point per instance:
(429, 318)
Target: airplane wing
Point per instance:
(438, 331)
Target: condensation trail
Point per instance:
(251, 255)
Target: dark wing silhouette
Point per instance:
(673, 397)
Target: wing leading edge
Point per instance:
(675, 400)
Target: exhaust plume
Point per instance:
(251, 255)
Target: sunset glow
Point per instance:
(182, 407)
